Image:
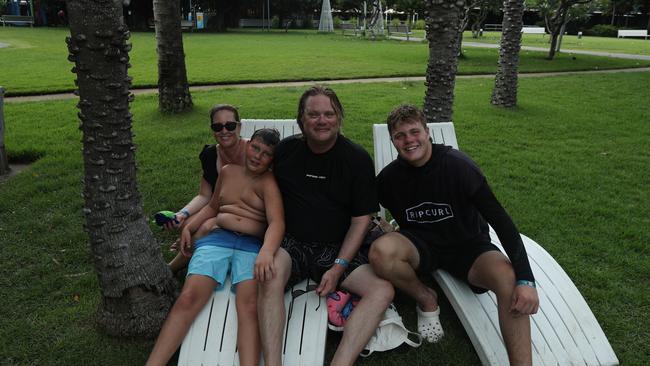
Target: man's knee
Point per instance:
(384, 253)
(493, 271)
(272, 286)
(368, 285)
(505, 278)
(280, 277)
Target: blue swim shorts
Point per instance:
(223, 251)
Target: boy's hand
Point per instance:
(264, 268)
(186, 243)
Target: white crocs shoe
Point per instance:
(429, 325)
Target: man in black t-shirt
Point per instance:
(443, 204)
(329, 194)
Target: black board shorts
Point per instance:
(313, 259)
(457, 261)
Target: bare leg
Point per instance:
(493, 271)
(394, 258)
(178, 263)
(195, 295)
(376, 294)
(271, 309)
(248, 335)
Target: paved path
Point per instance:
(578, 52)
(541, 49)
(60, 96)
(3, 45)
(412, 39)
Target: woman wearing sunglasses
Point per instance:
(229, 149)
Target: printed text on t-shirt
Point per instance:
(315, 176)
(427, 212)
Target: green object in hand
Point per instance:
(163, 217)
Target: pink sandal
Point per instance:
(336, 302)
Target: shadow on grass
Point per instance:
(20, 162)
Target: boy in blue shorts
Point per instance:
(249, 214)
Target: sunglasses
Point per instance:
(230, 126)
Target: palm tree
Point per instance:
(173, 89)
(505, 86)
(443, 25)
(4, 161)
(136, 285)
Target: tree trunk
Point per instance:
(136, 285)
(480, 18)
(173, 90)
(558, 46)
(475, 29)
(443, 22)
(505, 86)
(555, 27)
(464, 21)
(551, 51)
(613, 13)
(4, 161)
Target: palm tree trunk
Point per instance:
(4, 161)
(136, 285)
(505, 86)
(443, 22)
(173, 89)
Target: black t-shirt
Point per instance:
(446, 202)
(208, 157)
(322, 192)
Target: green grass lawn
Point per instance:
(573, 173)
(36, 61)
(634, 46)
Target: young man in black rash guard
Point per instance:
(443, 204)
(329, 194)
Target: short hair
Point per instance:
(403, 113)
(269, 136)
(319, 90)
(226, 107)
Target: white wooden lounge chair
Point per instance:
(212, 339)
(564, 331)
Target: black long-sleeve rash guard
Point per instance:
(492, 211)
(446, 203)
